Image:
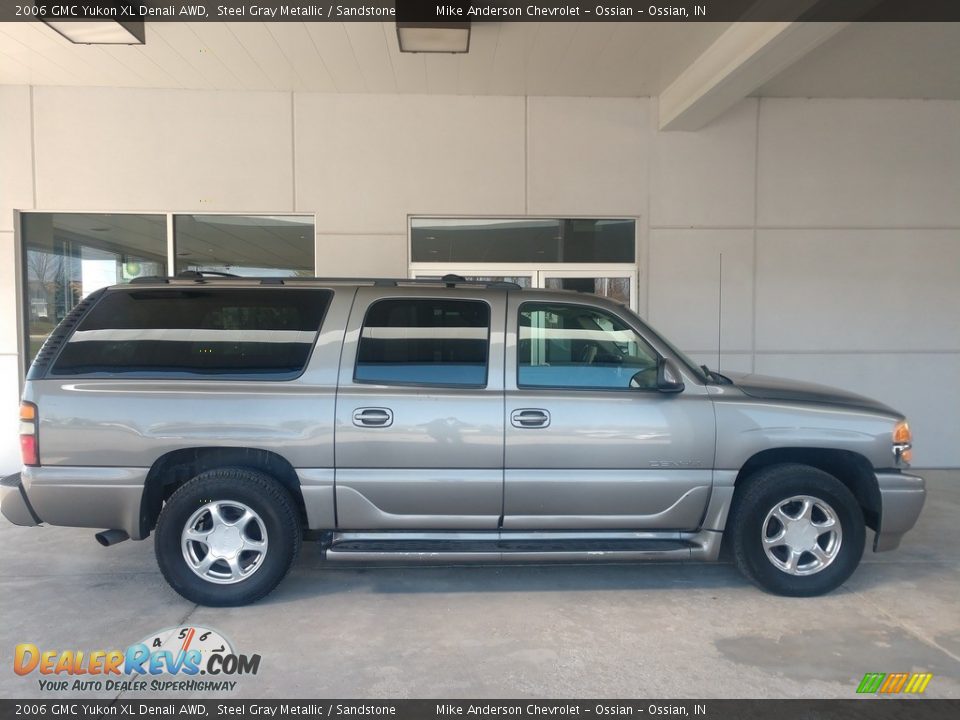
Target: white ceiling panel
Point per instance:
(363, 57)
(334, 46)
(298, 46)
(629, 59)
(220, 39)
(370, 48)
(260, 45)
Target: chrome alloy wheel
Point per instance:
(224, 542)
(801, 535)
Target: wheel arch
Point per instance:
(173, 469)
(850, 468)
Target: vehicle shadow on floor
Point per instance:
(312, 576)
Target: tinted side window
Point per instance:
(424, 341)
(197, 332)
(576, 346)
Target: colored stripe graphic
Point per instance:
(920, 682)
(871, 682)
(894, 683)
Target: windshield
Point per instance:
(695, 369)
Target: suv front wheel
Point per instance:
(227, 537)
(796, 530)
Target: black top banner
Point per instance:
(480, 709)
(459, 11)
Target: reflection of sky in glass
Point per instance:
(522, 240)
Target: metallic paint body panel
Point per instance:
(134, 422)
(605, 499)
(316, 486)
(440, 462)
(13, 504)
(94, 497)
(609, 458)
(782, 390)
(464, 499)
(747, 426)
(902, 498)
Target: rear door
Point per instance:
(419, 418)
(590, 442)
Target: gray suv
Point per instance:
(437, 421)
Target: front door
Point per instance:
(419, 433)
(590, 442)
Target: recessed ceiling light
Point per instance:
(433, 37)
(100, 32)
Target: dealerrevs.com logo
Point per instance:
(177, 659)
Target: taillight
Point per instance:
(29, 447)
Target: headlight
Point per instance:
(902, 442)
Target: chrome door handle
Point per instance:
(373, 417)
(530, 418)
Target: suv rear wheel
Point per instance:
(227, 537)
(796, 530)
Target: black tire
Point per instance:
(259, 492)
(775, 484)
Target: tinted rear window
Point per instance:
(226, 333)
(424, 342)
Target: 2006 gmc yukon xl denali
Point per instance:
(437, 421)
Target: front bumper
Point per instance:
(901, 497)
(14, 503)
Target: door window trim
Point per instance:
(580, 388)
(464, 386)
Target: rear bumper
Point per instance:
(14, 503)
(902, 497)
(93, 497)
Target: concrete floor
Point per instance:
(649, 631)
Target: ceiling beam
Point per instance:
(740, 61)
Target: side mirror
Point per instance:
(669, 379)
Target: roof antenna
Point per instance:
(719, 311)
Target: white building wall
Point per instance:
(838, 220)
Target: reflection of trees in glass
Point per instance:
(45, 277)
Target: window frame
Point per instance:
(186, 376)
(581, 388)
(464, 386)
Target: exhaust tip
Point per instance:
(111, 537)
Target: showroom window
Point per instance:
(522, 240)
(245, 244)
(67, 256)
(424, 341)
(595, 255)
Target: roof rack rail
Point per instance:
(204, 273)
(449, 281)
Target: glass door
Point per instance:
(617, 284)
(524, 277)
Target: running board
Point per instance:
(508, 546)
